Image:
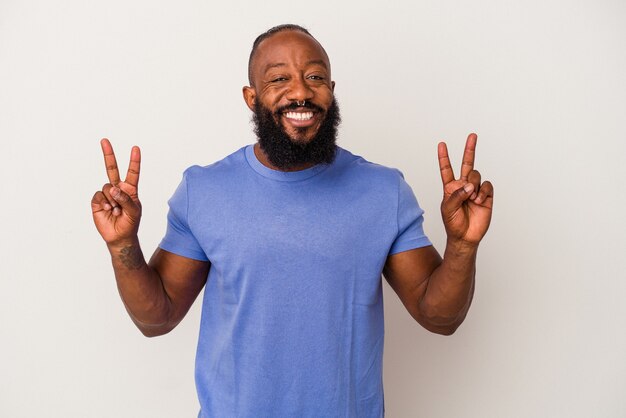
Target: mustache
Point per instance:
(295, 105)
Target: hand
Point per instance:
(467, 204)
(116, 209)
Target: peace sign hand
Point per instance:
(116, 209)
(467, 204)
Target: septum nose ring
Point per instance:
(301, 103)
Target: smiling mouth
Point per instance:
(300, 116)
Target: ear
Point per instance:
(249, 95)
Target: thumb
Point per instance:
(124, 200)
(456, 199)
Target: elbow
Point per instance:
(446, 330)
(149, 330)
(150, 333)
(154, 326)
(155, 332)
(439, 324)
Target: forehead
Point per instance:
(291, 48)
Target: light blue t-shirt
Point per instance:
(292, 316)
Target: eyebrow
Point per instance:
(270, 66)
(319, 62)
(282, 64)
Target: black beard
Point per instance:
(287, 153)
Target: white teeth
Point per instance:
(299, 115)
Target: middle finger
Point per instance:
(468, 156)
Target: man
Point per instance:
(293, 234)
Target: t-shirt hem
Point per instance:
(410, 245)
(184, 252)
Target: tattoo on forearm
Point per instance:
(131, 257)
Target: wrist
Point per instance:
(461, 247)
(118, 245)
(127, 254)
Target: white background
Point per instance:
(543, 83)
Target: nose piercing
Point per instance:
(301, 104)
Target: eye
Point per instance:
(315, 77)
(278, 79)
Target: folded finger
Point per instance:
(125, 202)
(99, 202)
(485, 193)
(474, 178)
(106, 191)
(455, 201)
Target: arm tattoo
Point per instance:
(131, 257)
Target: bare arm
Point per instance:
(157, 295)
(436, 292)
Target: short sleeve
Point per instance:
(179, 239)
(410, 219)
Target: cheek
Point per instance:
(270, 96)
(325, 96)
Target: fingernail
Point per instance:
(468, 187)
(106, 206)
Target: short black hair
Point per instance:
(267, 34)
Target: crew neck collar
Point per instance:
(278, 175)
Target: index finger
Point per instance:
(447, 175)
(110, 162)
(132, 175)
(468, 156)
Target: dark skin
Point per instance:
(288, 67)
(291, 67)
(158, 294)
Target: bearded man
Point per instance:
(291, 237)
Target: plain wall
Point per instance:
(543, 83)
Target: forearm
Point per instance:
(450, 288)
(141, 288)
